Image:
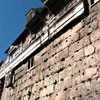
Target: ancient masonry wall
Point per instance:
(67, 69)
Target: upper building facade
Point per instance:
(57, 56)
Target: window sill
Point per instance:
(30, 68)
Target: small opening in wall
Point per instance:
(19, 98)
(2, 81)
(31, 63)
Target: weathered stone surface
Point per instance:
(90, 72)
(95, 36)
(66, 68)
(89, 50)
(79, 55)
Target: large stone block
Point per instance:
(90, 72)
(95, 35)
(89, 50)
(79, 55)
(75, 47)
(77, 27)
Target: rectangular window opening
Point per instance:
(31, 63)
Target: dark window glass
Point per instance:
(31, 63)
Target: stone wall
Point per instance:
(66, 69)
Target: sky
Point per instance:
(12, 21)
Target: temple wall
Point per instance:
(67, 68)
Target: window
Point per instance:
(1, 87)
(94, 1)
(8, 79)
(31, 63)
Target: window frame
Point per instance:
(30, 63)
(94, 1)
